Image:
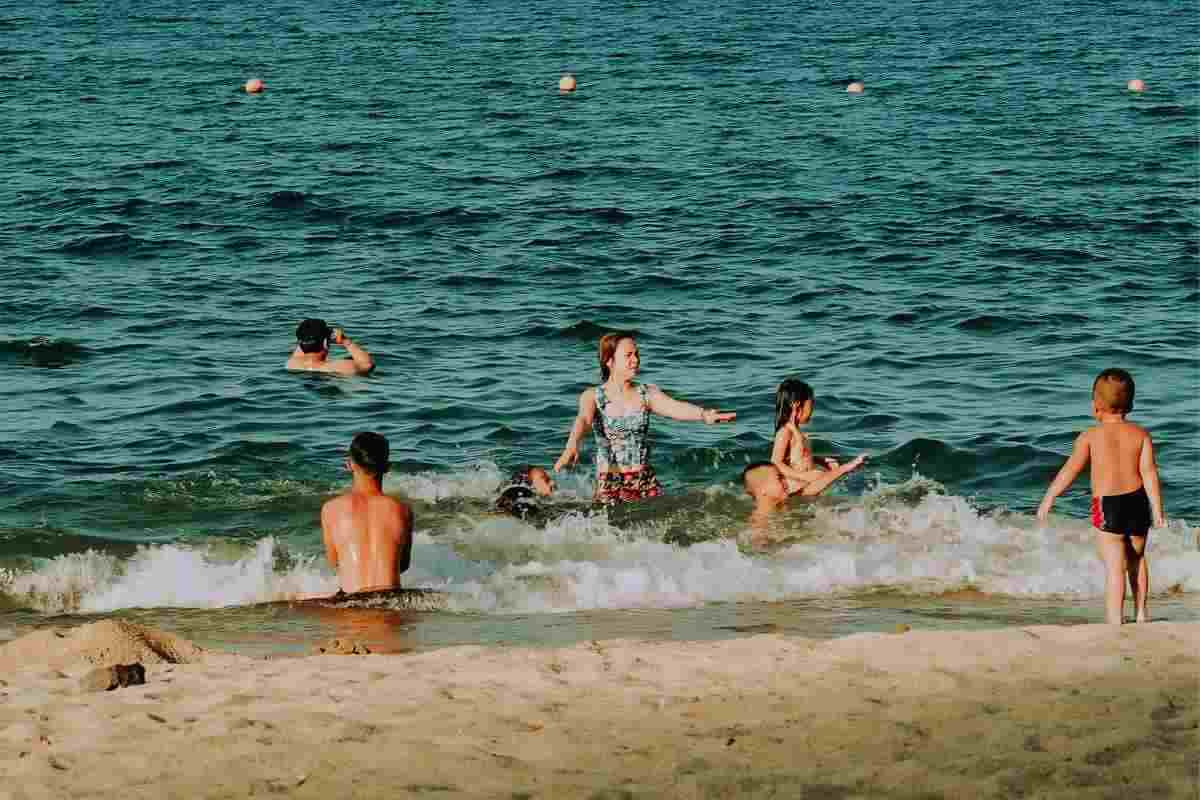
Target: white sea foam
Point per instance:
(910, 538)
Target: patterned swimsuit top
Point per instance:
(622, 443)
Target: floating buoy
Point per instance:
(254, 86)
(856, 87)
(1136, 85)
(567, 84)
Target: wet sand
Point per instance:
(1073, 712)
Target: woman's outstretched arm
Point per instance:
(664, 405)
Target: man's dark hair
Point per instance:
(312, 335)
(371, 452)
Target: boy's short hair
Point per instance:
(748, 473)
(1113, 390)
(311, 335)
(370, 451)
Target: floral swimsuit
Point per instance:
(623, 471)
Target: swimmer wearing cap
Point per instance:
(313, 338)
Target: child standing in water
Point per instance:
(791, 453)
(1126, 499)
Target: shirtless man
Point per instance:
(368, 535)
(1126, 492)
(313, 338)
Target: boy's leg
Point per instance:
(1139, 574)
(1112, 552)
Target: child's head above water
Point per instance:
(764, 481)
(517, 497)
(1112, 393)
(793, 397)
(536, 478)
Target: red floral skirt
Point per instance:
(627, 486)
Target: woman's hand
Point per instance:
(569, 457)
(711, 416)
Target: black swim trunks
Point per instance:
(1125, 514)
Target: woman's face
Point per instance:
(625, 361)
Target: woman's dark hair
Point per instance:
(609, 343)
(790, 392)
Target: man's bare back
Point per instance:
(369, 540)
(368, 535)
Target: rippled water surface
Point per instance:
(948, 258)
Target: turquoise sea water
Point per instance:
(948, 258)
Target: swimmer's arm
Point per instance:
(327, 535)
(582, 424)
(827, 477)
(1148, 469)
(666, 406)
(360, 361)
(1067, 475)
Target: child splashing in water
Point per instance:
(792, 453)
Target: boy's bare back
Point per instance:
(1116, 450)
(368, 537)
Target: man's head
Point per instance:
(764, 481)
(312, 336)
(1113, 392)
(370, 452)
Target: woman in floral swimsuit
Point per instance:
(619, 410)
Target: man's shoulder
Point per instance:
(345, 500)
(395, 504)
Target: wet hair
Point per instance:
(312, 335)
(522, 476)
(750, 470)
(1113, 389)
(520, 501)
(609, 343)
(370, 451)
(790, 392)
(518, 497)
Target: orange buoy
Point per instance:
(567, 84)
(254, 86)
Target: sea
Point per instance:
(948, 258)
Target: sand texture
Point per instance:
(1064, 712)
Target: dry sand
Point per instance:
(1071, 712)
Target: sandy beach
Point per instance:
(1078, 712)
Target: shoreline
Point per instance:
(1041, 711)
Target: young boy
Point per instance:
(1125, 492)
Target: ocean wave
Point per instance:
(909, 537)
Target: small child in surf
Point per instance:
(519, 496)
(1126, 498)
(791, 453)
